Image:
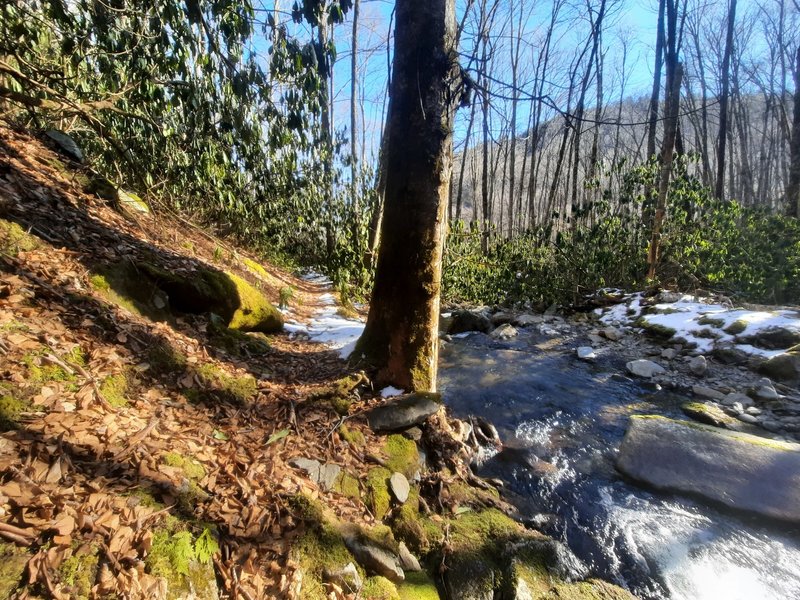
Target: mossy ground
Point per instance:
(79, 572)
(216, 384)
(12, 566)
(347, 485)
(352, 436)
(175, 556)
(236, 343)
(14, 239)
(164, 358)
(11, 408)
(379, 588)
(420, 533)
(113, 389)
(418, 586)
(340, 393)
(191, 467)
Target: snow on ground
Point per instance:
(390, 391)
(701, 322)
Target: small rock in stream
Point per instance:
(645, 368)
(504, 332)
(586, 353)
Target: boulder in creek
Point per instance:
(742, 471)
(469, 320)
(708, 413)
(526, 320)
(404, 411)
(645, 368)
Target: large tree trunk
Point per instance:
(400, 338)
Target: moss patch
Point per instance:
(402, 455)
(660, 332)
(320, 549)
(10, 410)
(352, 436)
(255, 268)
(737, 327)
(216, 384)
(379, 588)
(79, 572)
(377, 496)
(236, 342)
(174, 557)
(40, 371)
(711, 322)
(347, 485)
(191, 467)
(12, 566)
(164, 358)
(254, 312)
(418, 586)
(340, 393)
(14, 239)
(420, 533)
(113, 389)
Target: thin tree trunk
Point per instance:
(723, 102)
(354, 160)
(793, 188)
(653, 112)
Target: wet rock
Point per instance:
(644, 368)
(375, 558)
(729, 354)
(404, 411)
(742, 471)
(66, 144)
(408, 561)
(467, 320)
(707, 392)
(586, 353)
(708, 413)
(501, 318)
(399, 486)
(747, 418)
(504, 332)
(612, 333)
(735, 398)
(347, 577)
(698, 365)
(767, 393)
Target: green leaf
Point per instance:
(206, 546)
(278, 435)
(220, 435)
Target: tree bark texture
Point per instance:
(793, 189)
(401, 337)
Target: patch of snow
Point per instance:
(314, 277)
(390, 391)
(463, 334)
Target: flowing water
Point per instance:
(561, 421)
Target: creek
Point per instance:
(561, 421)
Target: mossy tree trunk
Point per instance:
(400, 338)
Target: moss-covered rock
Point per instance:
(216, 384)
(379, 588)
(418, 586)
(401, 455)
(352, 436)
(192, 468)
(113, 389)
(420, 533)
(347, 485)
(154, 292)
(737, 327)
(660, 332)
(783, 367)
(320, 550)
(12, 566)
(236, 342)
(340, 393)
(377, 491)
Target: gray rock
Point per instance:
(66, 144)
(669, 353)
(612, 333)
(746, 418)
(399, 486)
(707, 392)
(698, 365)
(347, 577)
(737, 398)
(767, 393)
(375, 558)
(667, 297)
(501, 318)
(408, 561)
(586, 353)
(753, 410)
(594, 338)
(739, 470)
(468, 320)
(526, 320)
(504, 332)
(645, 368)
(413, 433)
(404, 411)
(324, 475)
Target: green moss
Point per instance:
(142, 497)
(307, 509)
(15, 326)
(102, 188)
(340, 393)
(347, 485)
(708, 334)
(191, 467)
(188, 245)
(14, 239)
(737, 327)
(421, 534)
(236, 342)
(654, 330)
(473, 530)
(352, 436)
(113, 389)
(12, 566)
(377, 493)
(99, 282)
(418, 586)
(164, 358)
(379, 588)
(320, 549)
(79, 572)
(41, 371)
(381, 535)
(126, 285)
(218, 254)
(10, 410)
(217, 384)
(402, 455)
(711, 322)
(255, 268)
(347, 312)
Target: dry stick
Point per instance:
(137, 438)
